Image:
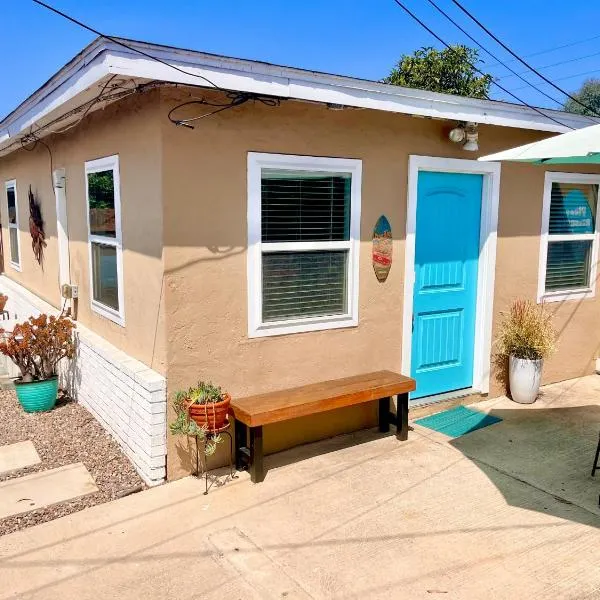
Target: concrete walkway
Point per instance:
(44, 488)
(17, 456)
(506, 512)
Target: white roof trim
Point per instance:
(103, 58)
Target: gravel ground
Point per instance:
(65, 435)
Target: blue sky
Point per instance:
(363, 38)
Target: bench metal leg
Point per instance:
(402, 417)
(256, 454)
(596, 467)
(241, 446)
(384, 414)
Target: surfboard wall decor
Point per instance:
(382, 248)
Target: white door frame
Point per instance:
(486, 264)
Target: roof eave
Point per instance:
(103, 58)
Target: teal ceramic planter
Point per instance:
(37, 396)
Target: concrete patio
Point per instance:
(509, 511)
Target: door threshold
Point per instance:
(453, 395)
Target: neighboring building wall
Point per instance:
(127, 397)
(205, 236)
(119, 372)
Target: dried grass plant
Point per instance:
(526, 331)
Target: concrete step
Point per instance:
(17, 456)
(42, 489)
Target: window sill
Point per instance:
(15, 266)
(302, 326)
(561, 296)
(108, 313)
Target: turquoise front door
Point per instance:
(445, 289)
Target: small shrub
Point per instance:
(526, 331)
(38, 345)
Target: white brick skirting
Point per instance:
(127, 397)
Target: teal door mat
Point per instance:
(457, 421)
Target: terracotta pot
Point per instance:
(213, 416)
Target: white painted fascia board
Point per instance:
(405, 100)
(288, 82)
(77, 83)
(84, 58)
(103, 57)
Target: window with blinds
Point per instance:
(304, 208)
(303, 242)
(571, 235)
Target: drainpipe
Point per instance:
(62, 228)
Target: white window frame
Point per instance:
(108, 163)
(12, 183)
(574, 294)
(256, 163)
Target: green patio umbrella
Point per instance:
(576, 147)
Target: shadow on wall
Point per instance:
(549, 449)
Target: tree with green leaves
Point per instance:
(450, 71)
(588, 94)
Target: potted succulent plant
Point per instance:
(526, 337)
(36, 347)
(201, 410)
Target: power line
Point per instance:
(554, 49)
(439, 39)
(525, 63)
(465, 32)
(123, 44)
(565, 78)
(562, 62)
(32, 136)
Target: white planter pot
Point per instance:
(524, 377)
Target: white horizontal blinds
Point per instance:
(305, 235)
(572, 208)
(568, 265)
(300, 207)
(304, 284)
(571, 228)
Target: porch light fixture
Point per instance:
(471, 145)
(457, 135)
(466, 134)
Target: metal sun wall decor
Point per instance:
(36, 228)
(382, 248)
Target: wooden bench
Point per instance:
(253, 412)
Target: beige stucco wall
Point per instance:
(205, 235)
(130, 129)
(188, 189)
